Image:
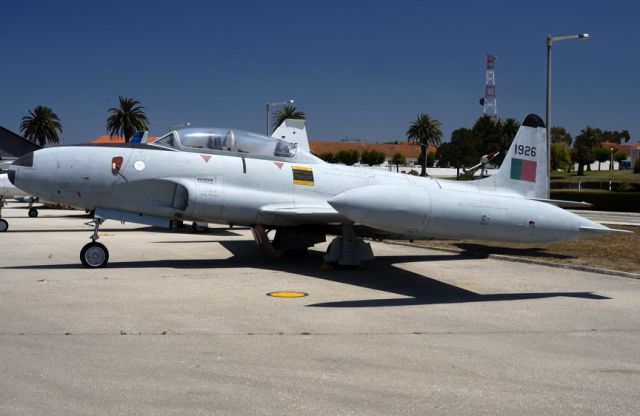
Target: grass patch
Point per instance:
(613, 251)
(597, 175)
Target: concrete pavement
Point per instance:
(180, 323)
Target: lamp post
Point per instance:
(550, 40)
(611, 160)
(270, 105)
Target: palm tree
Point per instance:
(588, 139)
(41, 126)
(288, 111)
(424, 131)
(127, 119)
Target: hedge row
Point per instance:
(602, 200)
(618, 186)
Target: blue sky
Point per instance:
(358, 69)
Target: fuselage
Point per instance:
(234, 189)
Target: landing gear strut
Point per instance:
(33, 213)
(4, 225)
(348, 249)
(94, 254)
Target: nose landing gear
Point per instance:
(94, 254)
(33, 213)
(4, 225)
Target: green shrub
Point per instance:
(328, 157)
(372, 157)
(348, 157)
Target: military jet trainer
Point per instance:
(229, 176)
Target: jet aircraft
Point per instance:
(229, 176)
(8, 190)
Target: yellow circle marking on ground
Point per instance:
(287, 294)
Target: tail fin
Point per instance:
(293, 131)
(525, 169)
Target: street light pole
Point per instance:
(550, 40)
(611, 160)
(270, 105)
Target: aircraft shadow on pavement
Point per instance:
(382, 274)
(480, 250)
(218, 232)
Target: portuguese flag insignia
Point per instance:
(523, 170)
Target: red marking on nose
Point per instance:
(206, 158)
(279, 164)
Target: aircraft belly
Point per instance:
(208, 199)
(153, 197)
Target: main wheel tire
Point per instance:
(298, 252)
(198, 228)
(4, 226)
(94, 255)
(33, 212)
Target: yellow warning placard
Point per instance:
(302, 175)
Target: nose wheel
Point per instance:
(33, 213)
(4, 225)
(94, 254)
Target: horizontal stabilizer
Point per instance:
(564, 204)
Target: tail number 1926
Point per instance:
(525, 150)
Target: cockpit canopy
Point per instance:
(212, 140)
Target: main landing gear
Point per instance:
(94, 254)
(348, 249)
(4, 225)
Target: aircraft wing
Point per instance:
(5, 162)
(303, 213)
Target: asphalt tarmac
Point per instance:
(180, 323)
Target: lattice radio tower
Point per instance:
(489, 101)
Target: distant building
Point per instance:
(631, 150)
(107, 139)
(13, 145)
(410, 151)
(115, 139)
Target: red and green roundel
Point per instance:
(523, 170)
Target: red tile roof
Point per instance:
(624, 148)
(114, 139)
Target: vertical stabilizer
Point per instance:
(525, 169)
(293, 131)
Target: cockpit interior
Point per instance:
(215, 140)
